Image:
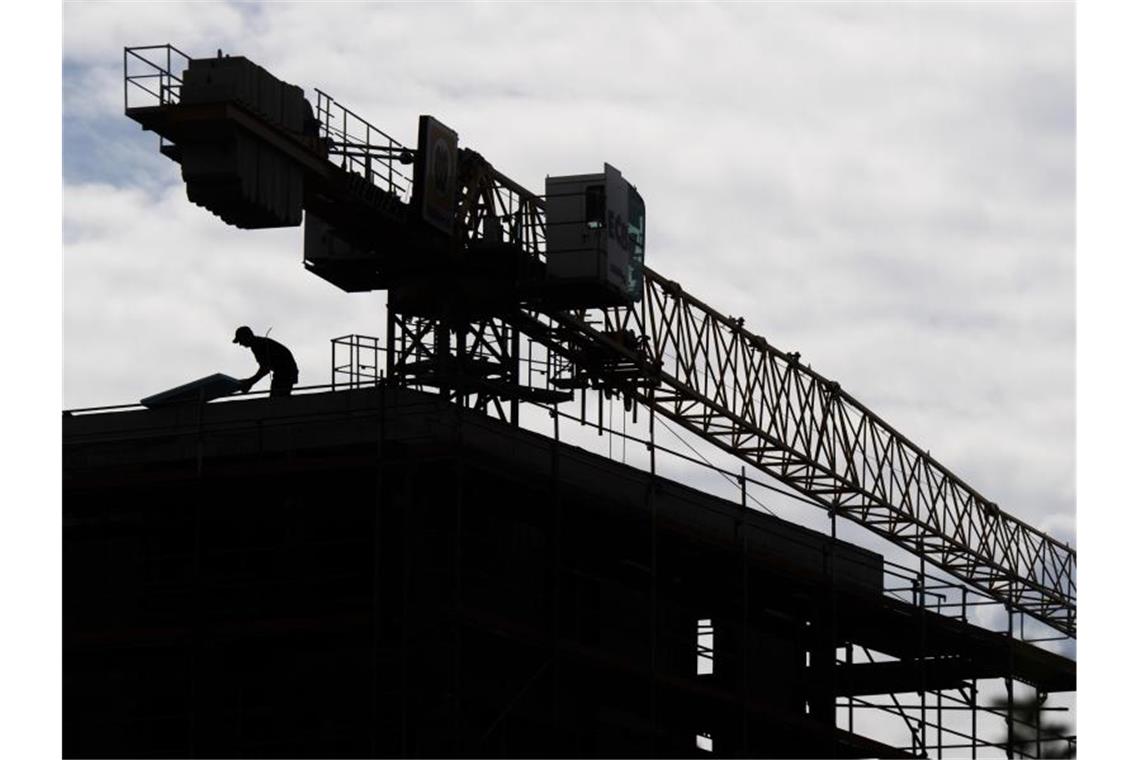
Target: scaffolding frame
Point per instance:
(925, 719)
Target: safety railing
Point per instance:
(148, 75)
(355, 361)
(496, 209)
(363, 148)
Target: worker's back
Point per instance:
(269, 353)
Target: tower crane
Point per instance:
(473, 260)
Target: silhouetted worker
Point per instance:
(271, 357)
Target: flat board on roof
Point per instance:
(204, 389)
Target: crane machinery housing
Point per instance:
(474, 265)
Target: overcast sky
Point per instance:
(888, 189)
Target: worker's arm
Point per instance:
(249, 382)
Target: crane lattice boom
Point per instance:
(731, 388)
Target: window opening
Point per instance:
(704, 647)
(595, 206)
(635, 274)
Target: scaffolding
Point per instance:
(940, 722)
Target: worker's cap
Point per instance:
(242, 332)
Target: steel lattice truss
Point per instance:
(474, 363)
(495, 208)
(730, 387)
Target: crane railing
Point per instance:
(149, 75)
(493, 208)
(362, 148)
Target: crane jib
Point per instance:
(731, 388)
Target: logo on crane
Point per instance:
(435, 173)
(441, 165)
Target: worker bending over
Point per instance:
(271, 357)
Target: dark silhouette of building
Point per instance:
(377, 572)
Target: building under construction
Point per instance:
(395, 565)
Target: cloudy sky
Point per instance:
(888, 189)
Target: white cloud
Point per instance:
(95, 33)
(148, 308)
(886, 188)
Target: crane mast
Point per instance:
(471, 273)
